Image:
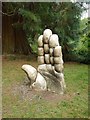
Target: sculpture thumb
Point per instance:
(30, 71)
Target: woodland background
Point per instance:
(23, 22)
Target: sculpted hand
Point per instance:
(49, 74)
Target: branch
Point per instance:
(12, 13)
(7, 14)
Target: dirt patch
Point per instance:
(26, 93)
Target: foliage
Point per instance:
(31, 24)
(61, 18)
(82, 49)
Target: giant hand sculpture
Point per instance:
(49, 74)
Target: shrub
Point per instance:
(82, 50)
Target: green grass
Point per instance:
(71, 105)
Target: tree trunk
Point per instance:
(13, 39)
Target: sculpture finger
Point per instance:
(40, 50)
(53, 41)
(30, 71)
(46, 35)
(58, 61)
(50, 60)
(43, 47)
(40, 41)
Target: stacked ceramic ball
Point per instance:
(49, 51)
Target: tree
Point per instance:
(62, 18)
(82, 49)
(14, 38)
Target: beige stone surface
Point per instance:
(40, 60)
(54, 41)
(51, 51)
(47, 58)
(40, 51)
(58, 60)
(40, 41)
(49, 74)
(40, 83)
(57, 51)
(52, 60)
(46, 48)
(31, 71)
(46, 35)
(58, 68)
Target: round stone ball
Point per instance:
(40, 41)
(47, 58)
(51, 51)
(53, 41)
(58, 60)
(46, 48)
(46, 35)
(40, 51)
(58, 67)
(57, 51)
(40, 60)
(52, 60)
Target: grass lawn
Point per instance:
(73, 104)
